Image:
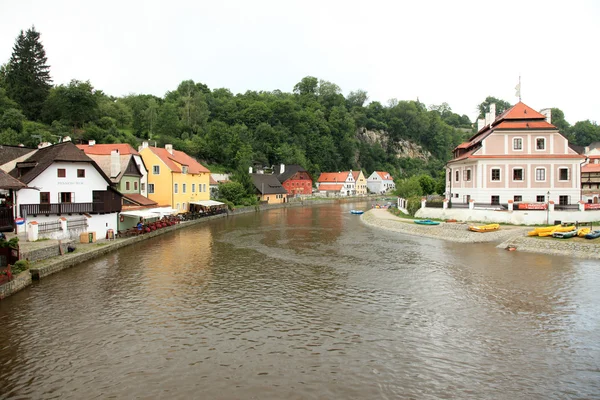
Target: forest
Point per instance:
(313, 125)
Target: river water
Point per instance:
(306, 303)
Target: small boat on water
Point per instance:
(593, 235)
(426, 222)
(358, 212)
(565, 235)
(484, 228)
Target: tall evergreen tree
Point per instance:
(27, 77)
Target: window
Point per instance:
(563, 174)
(457, 176)
(563, 200)
(540, 174)
(143, 186)
(156, 169)
(193, 188)
(449, 175)
(495, 200)
(135, 186)
(45, 197)
(62, 173)
(176, 189)
(126, 185)
(518, 198)
(183, 188)
(518, 174)
(540, 144)
(540, 198)
(178, 206)
(517, 144)
(184, 170)
(495, 174)
(204, 187)
(183, 207)
(150, 188)
(66, 197)
(81, 173)
(467, 174)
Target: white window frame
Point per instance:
(151, 188)
(568, 174)
(467, 174)
(536, 174)
(176, 188)
(514, 148)
(536, 146)
(184, 169)
(499, 174)
(156, 170)
(522, 174)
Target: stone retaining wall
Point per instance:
(43, 253)
(19, 282)
(557, 247)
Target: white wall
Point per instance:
(515, 217)
(98, 223)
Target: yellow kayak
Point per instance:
(581, 232)
(548, 231)
(485, 228)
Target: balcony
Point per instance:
(69, 208)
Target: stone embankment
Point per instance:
(576, 247)
(452, 231)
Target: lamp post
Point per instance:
(548, 208)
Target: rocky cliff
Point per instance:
(402, 148)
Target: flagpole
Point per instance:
(519, 87)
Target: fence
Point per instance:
(77, 223)
(47, 227)
(566, 207)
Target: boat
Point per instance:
(581, 232)
(593, 235)
(549, 230)
(484, 228)
(565, 235)
(356, 212)
(426, 222)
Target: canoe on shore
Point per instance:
(426, 222)
(593, 235)
(549, 230)
(581, 232)
(485, 228)
(358, 212)
(565, 235)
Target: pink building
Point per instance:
(518, 156)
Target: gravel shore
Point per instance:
(506, 236)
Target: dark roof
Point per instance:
(9, 153)
(138, 199)
(267, 184)
(44, 157)
(288, 171)
(8, 182)
(577, 149)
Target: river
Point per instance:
(306, 303)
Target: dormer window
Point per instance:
(184, 170)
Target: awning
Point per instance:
(163, 211)
(207, 203)
(140, 214)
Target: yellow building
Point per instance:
(174, 178)
(269, 189)
(360, 182)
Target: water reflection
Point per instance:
(306, 303)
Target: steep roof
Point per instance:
(267, 184)
(384, 175)
(106, 149)
(211, 181)
(333, 177)
(9, 153)
(8, 182)
(138, 199)
(173, 161)
(104, 162)
(288, 172)
(37, 163)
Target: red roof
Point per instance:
(463, 145)
(355, 175)
(336, 188)
(333, 176)
(520, 111)
(212, 181)
(524, 125)
(139, 199)
(179, 158)
(591, 168)
(384, 175)
(106, 149)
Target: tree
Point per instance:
(484, 107)
(12, 119)
(427, 184)
(27, 75)
(357, 98)
(410, 187)
(307, 86)
(76, 103)
(559, 121)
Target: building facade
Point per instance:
(380, 182)
(269, 188)
(360, 183)
(331, 181)
(295, 179)
(518, 156)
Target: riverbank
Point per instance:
(507, 236)
(454, 232)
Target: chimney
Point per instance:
(493, 112)
(249, 170)
(115, 164)
(547, 112)
(480, 124)
(66, 139)
(169, 148)
(282, 168)
(91, 142)
(44, 144)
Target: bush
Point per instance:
(413, 205)
(20, 266)
(12, 243)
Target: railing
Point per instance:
(489, 205)
(434, 204)
(66, 208)
(77, 223)
(47, 227)
(566, 207)
(458, 205)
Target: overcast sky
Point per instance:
(438, 51)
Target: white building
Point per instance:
(64, 182)
(380, 182)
